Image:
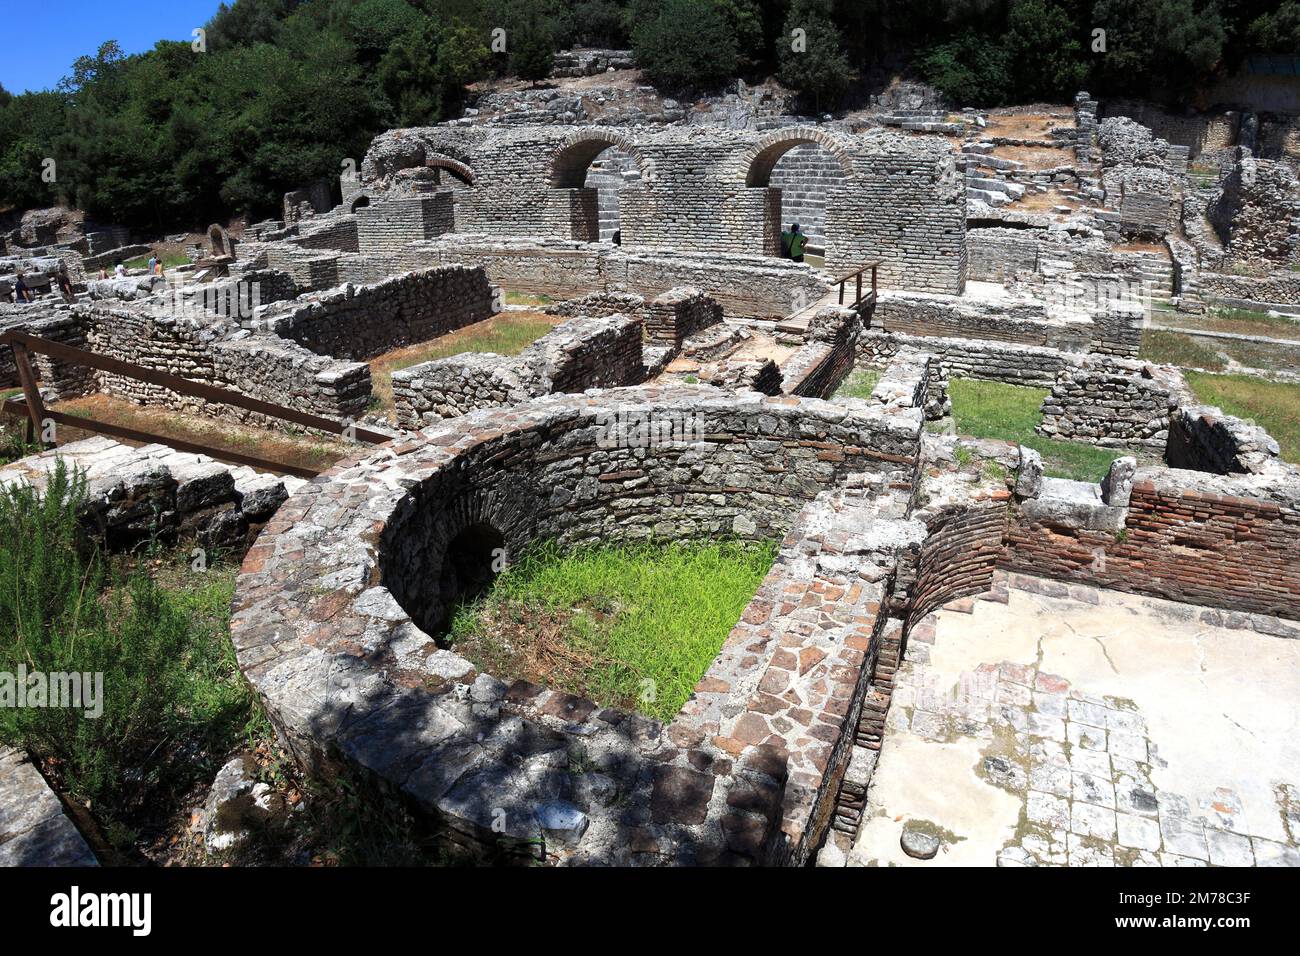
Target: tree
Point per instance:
(1044, 50)
(1158, 45)
(1277, 31)
(532, 50)
(813, 63)
(973, 69)
(683, 43)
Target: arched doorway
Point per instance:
(472, 561)
(802, 170)
(594, 169)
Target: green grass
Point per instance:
(630, 626)
(1010, 412)
(504, 334)
(1274, 406)
(1173, 348)
(524, 298)
(860, 384)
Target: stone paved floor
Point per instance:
(1070, 726)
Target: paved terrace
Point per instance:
(1083, 727)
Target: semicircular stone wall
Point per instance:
(337, 600)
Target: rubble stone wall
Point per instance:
(361, 322)
(1114, 403)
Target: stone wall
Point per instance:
(971, 358)
(217, 353)
(384, 227)
(704, 190)
(1185, 536)
(1204, 439)
(827, 356)
(585, 352)
(1256, 211)
(361, 322)
(1114, 403)
(735, 778)
(680, 313)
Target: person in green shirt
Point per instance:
(793, 242)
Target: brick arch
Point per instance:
(576, 151)
(458, 169)
(759, 160)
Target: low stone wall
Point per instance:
(585, 352)
(1025, 323)
(745, 286)
(361, 322)
(971, 358)
(212, 352)
(680, 313)
(827, 356)
(1114, 403)
(1185, 535)
(1280, 288)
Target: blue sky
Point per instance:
(44, 36)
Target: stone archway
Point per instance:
(569, 172)
(219, 242)
(797, 189)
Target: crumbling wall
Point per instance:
(680, 313)
(585, 352)
(1256, 211)
(1202, 438)
(361, 322)
(1115, 403)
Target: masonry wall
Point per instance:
(386, 226)
(1113, 403)
(1187, 537)
(970, 358)
(361, 322)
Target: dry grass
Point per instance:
(289, 447)
(1035, 157)
(506, 333)
(1025, 125)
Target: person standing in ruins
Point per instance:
(795, 244)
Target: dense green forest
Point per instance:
(279, 91)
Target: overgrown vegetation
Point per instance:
(1011, 412)
(630, 626)
(860, 384)
(284, 90)
(1174, 348)
(1274, 406)
(173, 702)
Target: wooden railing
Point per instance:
(859, 300)
(33, 408)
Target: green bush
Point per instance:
(171, 694)
(821, 71)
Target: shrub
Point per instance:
(170, 688)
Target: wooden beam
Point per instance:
(34, 407)
(14, 407)
(16, 338)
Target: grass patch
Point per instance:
(170, 260)
(524, 298)
(633, 626)
(1274, 406)
(173, 701)
(506, 333)
(860, 384)
(1172, 348)
(1237, 321)
(1011, 412)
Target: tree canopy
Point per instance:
(280, 92)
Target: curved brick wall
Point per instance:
(323, 634)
